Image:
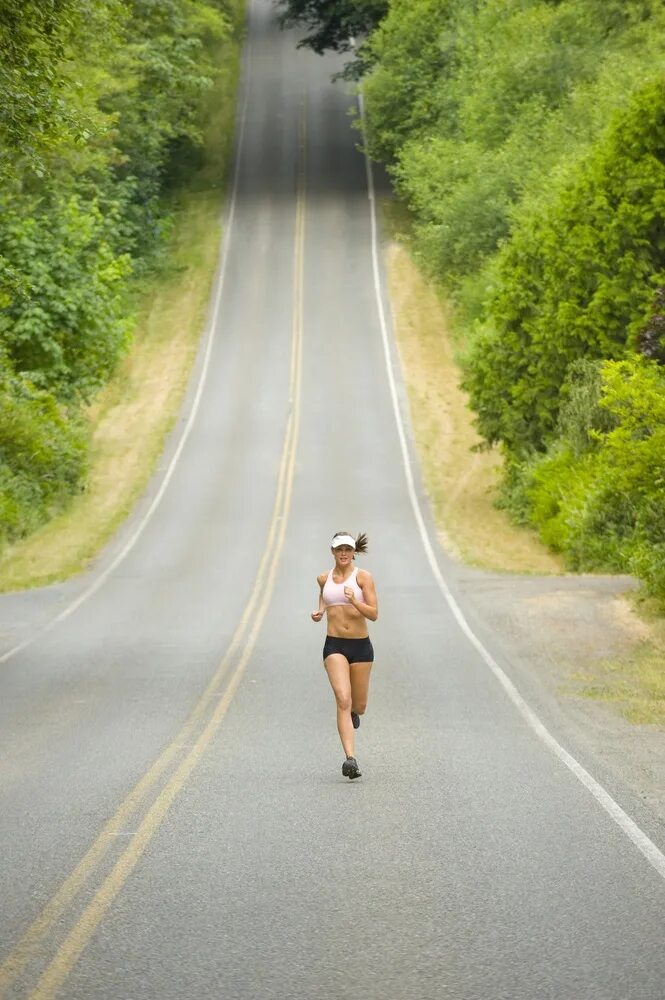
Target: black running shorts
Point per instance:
(355, 650)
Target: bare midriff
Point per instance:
(345, 622)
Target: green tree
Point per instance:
(332, 24)
(576, 280)
(65, 325)
(412, 58)
(41, 110)
(43, 454)
(598, 495)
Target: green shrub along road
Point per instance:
(527, 139)
(101, 124)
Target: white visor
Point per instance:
(339, 540)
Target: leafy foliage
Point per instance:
(479, 107)
(160, 76)
(411, 55)
(66, 326)
(603, 505)
(35, 75)
(100, 115)
(651, 338)
(43, 454)
(333, 23)
(575, 280)
(338, 25)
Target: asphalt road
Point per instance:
(173, 818)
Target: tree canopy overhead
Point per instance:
(332, 24)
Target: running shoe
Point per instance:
(355, 719)
(350, 768)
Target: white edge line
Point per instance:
(646, 846)
(210, 339)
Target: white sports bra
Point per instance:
(333, 593)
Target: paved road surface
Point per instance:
(173, 819)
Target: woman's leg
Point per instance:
(337, 668)
(359, 676)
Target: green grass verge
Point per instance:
(634, 684)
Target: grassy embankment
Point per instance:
(132, 416)
(462, 483)
(635, 684)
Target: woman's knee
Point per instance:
(343, 699)
(360, 707)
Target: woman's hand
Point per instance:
(350, 595)
(317, 615)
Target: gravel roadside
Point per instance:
(559, 634)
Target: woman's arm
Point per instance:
(369, 606)
(320, 611)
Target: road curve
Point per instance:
(172, 812)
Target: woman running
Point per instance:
(348, 597)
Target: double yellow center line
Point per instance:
(202, 724)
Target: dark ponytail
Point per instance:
(361, 543)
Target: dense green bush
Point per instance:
(632, 458)
(43, 454)
(598, 495)
(38, 111)
(461, 212)
(575, 280)
(412, 58)
(160, 74)
(64, 328)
